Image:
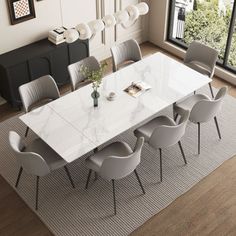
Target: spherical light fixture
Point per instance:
(84, 31)
(71, 35)
(109, 21)
(126, 18)
(133, 13)
(121, 17)
(96, 26)
(143, 8)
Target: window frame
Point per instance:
(224, 64)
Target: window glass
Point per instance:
(207, 21)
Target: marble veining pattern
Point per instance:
(73, 127)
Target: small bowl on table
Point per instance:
(111, 96)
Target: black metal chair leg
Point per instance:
(217, 127)
(199, 137)
(114, 195)
(69, 176)
(182, 151)
(27, 131)
(160, 164)
(212, 94)
(89, 174)
(18, 177)
(140, 183)
(37, 193)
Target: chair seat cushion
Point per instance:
(147, 129)
(118, 149)
(189, 102)
(199, 67)
(53, 160)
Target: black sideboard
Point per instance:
(37, 59)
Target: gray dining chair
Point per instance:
(125, 53)
(38, 92)
(163, 132)
(203, 109)
(114, 162)
(37, 159)
(202, 59)
(77, 78)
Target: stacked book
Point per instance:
(56, 36)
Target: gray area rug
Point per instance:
(68, 211)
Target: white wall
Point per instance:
(13, 36)
(54, 13)
(158, 21)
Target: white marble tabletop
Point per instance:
(73, 127)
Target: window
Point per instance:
(212, 22)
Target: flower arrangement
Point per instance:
(95, 76)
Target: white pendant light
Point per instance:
(96, 26)
(121, 17)
(143, 8)
(133, 13)
(109, 21)
(133, 16)
(71, 35)
(126, 18)
(84, 31)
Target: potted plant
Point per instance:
(95, 76)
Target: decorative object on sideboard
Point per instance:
(95, 76)
(56, 36)
(21, 10)
(126, 18)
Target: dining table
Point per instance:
(72, 126)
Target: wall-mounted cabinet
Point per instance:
(37, 59)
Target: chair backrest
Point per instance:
(76, 76)
(200, 53)
(206, 109)
(115, 167)
(165, 136)
(31, 162)
(37, 90)
(126, 51)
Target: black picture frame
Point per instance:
(21, 10)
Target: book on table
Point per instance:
(137, 88)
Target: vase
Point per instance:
(95, 95)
